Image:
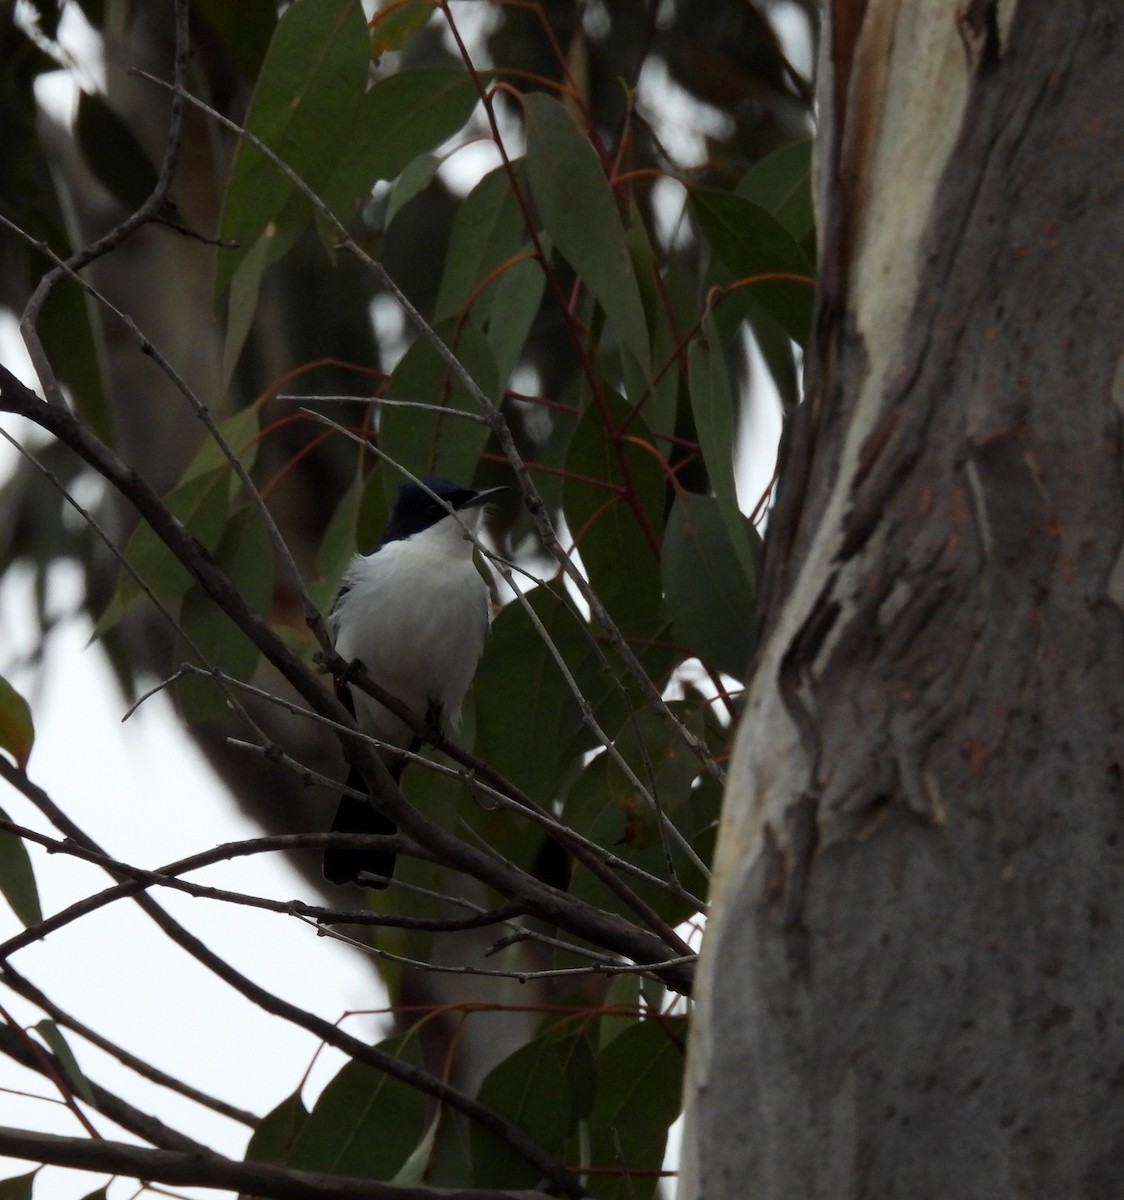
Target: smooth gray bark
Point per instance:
(914, 976)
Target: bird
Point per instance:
(415, 613)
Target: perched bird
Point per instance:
(415, 612)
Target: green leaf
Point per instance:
(365, 1123)
(640, 1080)
(71, 332)
(245, 288)
(240, 432)
(52, 1035)
(416, 177)
(606, 807)
(402, 116)
(579, 211)
(201, 500)
(614, 505)
(713, 406)
(415, 1169)
(245, 553)
(433, 443)
(526, 738)
(18, 1187)
(707, 590)
(530, 1089)
(272, 1140)
(757, 248)
(657, 390)
(392, 25)
(580, 1067)
(312, 81)
(202, 504)
(781, 183)
(487, 232)
(17, 880)
(516, 297)
(17, 731)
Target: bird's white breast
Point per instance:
(416, 613)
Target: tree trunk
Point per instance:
(913, 979)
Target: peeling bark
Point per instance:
(913, 978)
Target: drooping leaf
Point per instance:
(392, 25)
(403, 115)
(529, 1088)
(338, 543)
(365, 1123)
(579, 211)
(605, 805)
(437, 443)
(33, 195)
(272, 1140)
(18, 1187)
(707, 590)
(713, 407)
(614, 499)
(639, 1089)
(762, 255)
(240, 432)
(311, 81)
(201, 500)
(516, 297)
(202, 505)
(52, 1035)
(527, 738)
(781, 184)
(17, 730)
(17, 880)
(245, 554)
(414, 179)
(487, 232)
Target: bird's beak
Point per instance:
(483, 497)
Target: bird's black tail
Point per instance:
(343, 865)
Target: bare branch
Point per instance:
(210, 1170)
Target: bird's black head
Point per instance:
(415, 509)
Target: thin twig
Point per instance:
(138, 879)
(596, 968)
(210, 1170)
